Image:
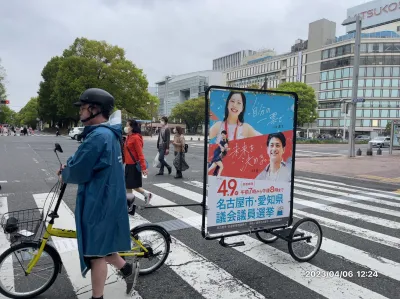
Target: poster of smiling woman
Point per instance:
(250, 158)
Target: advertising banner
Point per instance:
(250, 159)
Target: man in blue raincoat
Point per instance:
(101, 213)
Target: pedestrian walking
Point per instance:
(101, 215)
(179, 147)
(136, 165)
(163, 143)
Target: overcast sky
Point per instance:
(160, 36)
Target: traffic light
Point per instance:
(5, 102)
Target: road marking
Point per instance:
(379, 178)
(204, 276)
(359, 197)
(320, 153)
(36, 161)
(115, 287)
(386, 194)
(349, 202)
(354, 255)
(4, 245)
(279, 261)
(354, 215)
(3, 182)
(346, 228)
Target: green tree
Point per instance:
(89, 63)
(192, 112)
(307, 106)
(47, 99)
(7, 116)
(254, 86)
(388, 128)
(28, 115)
(3, 93)
(86, 64)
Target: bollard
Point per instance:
(369, 150)
(359, 152)
(379, 151)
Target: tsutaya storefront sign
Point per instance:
(375, 13)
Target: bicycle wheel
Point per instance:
(305, 250)
(15, 283)
(266, 237)
(158, 249)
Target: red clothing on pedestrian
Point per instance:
(135, 144)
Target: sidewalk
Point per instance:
(376, 168)
(187, 137)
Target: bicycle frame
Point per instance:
(71, 234)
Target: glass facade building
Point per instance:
(325, 62)
(174, 90)
(378, 84)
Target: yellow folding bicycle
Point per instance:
(32, 256)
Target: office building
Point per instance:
(325, 62)
(231, 60)
(173, 90)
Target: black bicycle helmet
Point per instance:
(98, 97)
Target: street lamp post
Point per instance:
(352, 128)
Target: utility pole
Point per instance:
(353, 104)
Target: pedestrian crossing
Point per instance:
(361, 239)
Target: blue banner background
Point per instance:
(266, 113)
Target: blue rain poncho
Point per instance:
(101, 213)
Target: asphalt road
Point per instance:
(360, 223)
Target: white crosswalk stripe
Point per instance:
(353, 239)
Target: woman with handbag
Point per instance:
(179, 146)
(135, 163)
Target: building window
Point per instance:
(384, 113)
(384, 123)
(360, 93)
(378, 82)
(366, 122)
(393, 113)
(361, 72)
(345, 83)
(385, 93)
(331, 75)
(375, 113)
(396, 72)
(338, 84)
(321, 113)
(394, 93)
(345, 93)
(321, 123)
(370, 72)
(378, 72)
(367, 113)
(377, 93)
(322, 86)
(330, 85)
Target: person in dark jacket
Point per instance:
(163, 143)
(101, 215)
